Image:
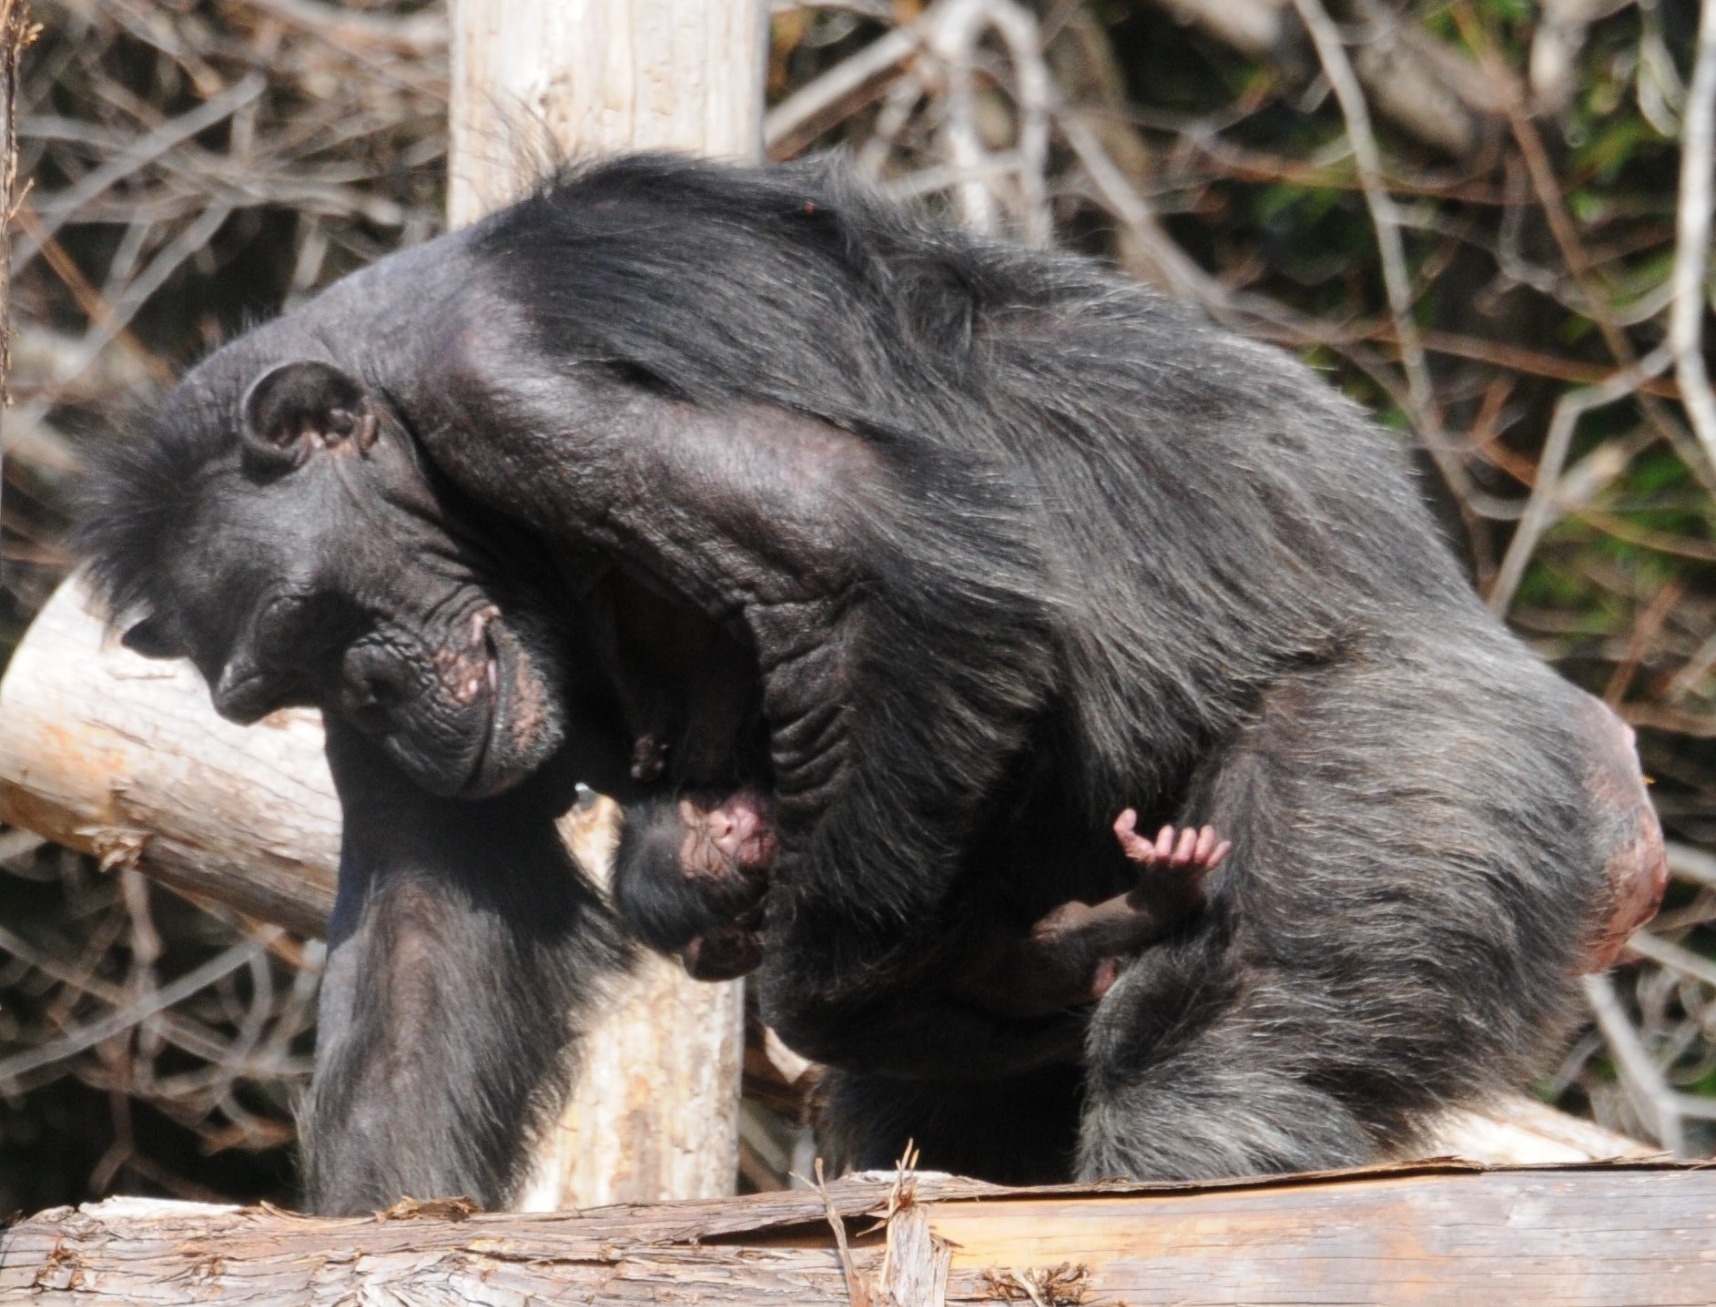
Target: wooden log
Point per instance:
(1442, 1234)
(121, 756)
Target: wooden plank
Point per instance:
(1425, 1234)
(1561, 1238)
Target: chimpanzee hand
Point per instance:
(1188, 855)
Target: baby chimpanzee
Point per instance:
(691, 874)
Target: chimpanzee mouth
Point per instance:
(509, 709)
(475, 785)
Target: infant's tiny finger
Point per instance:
(1132, 844)
(1206, 843)
(1187, 846)
(1107, 972)
(1165, 842)
(1221, 852)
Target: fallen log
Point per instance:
(121, 756)
(1429, 1234)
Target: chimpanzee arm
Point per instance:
(462, 944)
(1011, 1003)
(1071, 956)
(891, 595)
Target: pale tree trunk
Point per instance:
(537, 82)
(655, 1111)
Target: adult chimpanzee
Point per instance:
(675, 478)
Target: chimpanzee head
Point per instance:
(279, 527)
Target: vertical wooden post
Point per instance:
(655, 1112)
(539, 80)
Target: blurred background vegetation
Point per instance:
(1473, 216)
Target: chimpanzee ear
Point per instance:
(149, 638)
(297, 408)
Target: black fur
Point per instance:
(1006, 544)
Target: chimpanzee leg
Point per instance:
(1396, 929)
(1018, 1130)
(462, 944)
(1185, 1085)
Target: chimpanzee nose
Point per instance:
(374, 679)
(730, 826)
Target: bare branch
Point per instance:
(21, 1064)
(420, 35)
(954, 28)
(1258, 29)
(70, 203)
(1692, 864)
(1170, 266)
(1421, 85)
(1017, 27)
(1540, 507)
(1673, 956)
(813, 108)
(1556, 46)
(1638, 1071)
(1397, 281)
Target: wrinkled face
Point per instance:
(318, 568)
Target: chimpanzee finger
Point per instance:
(1132, 844)
(1165, 843)
(1186, 849)
(1206, 844)
(1103, 978)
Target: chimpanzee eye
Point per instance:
(277, 623)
